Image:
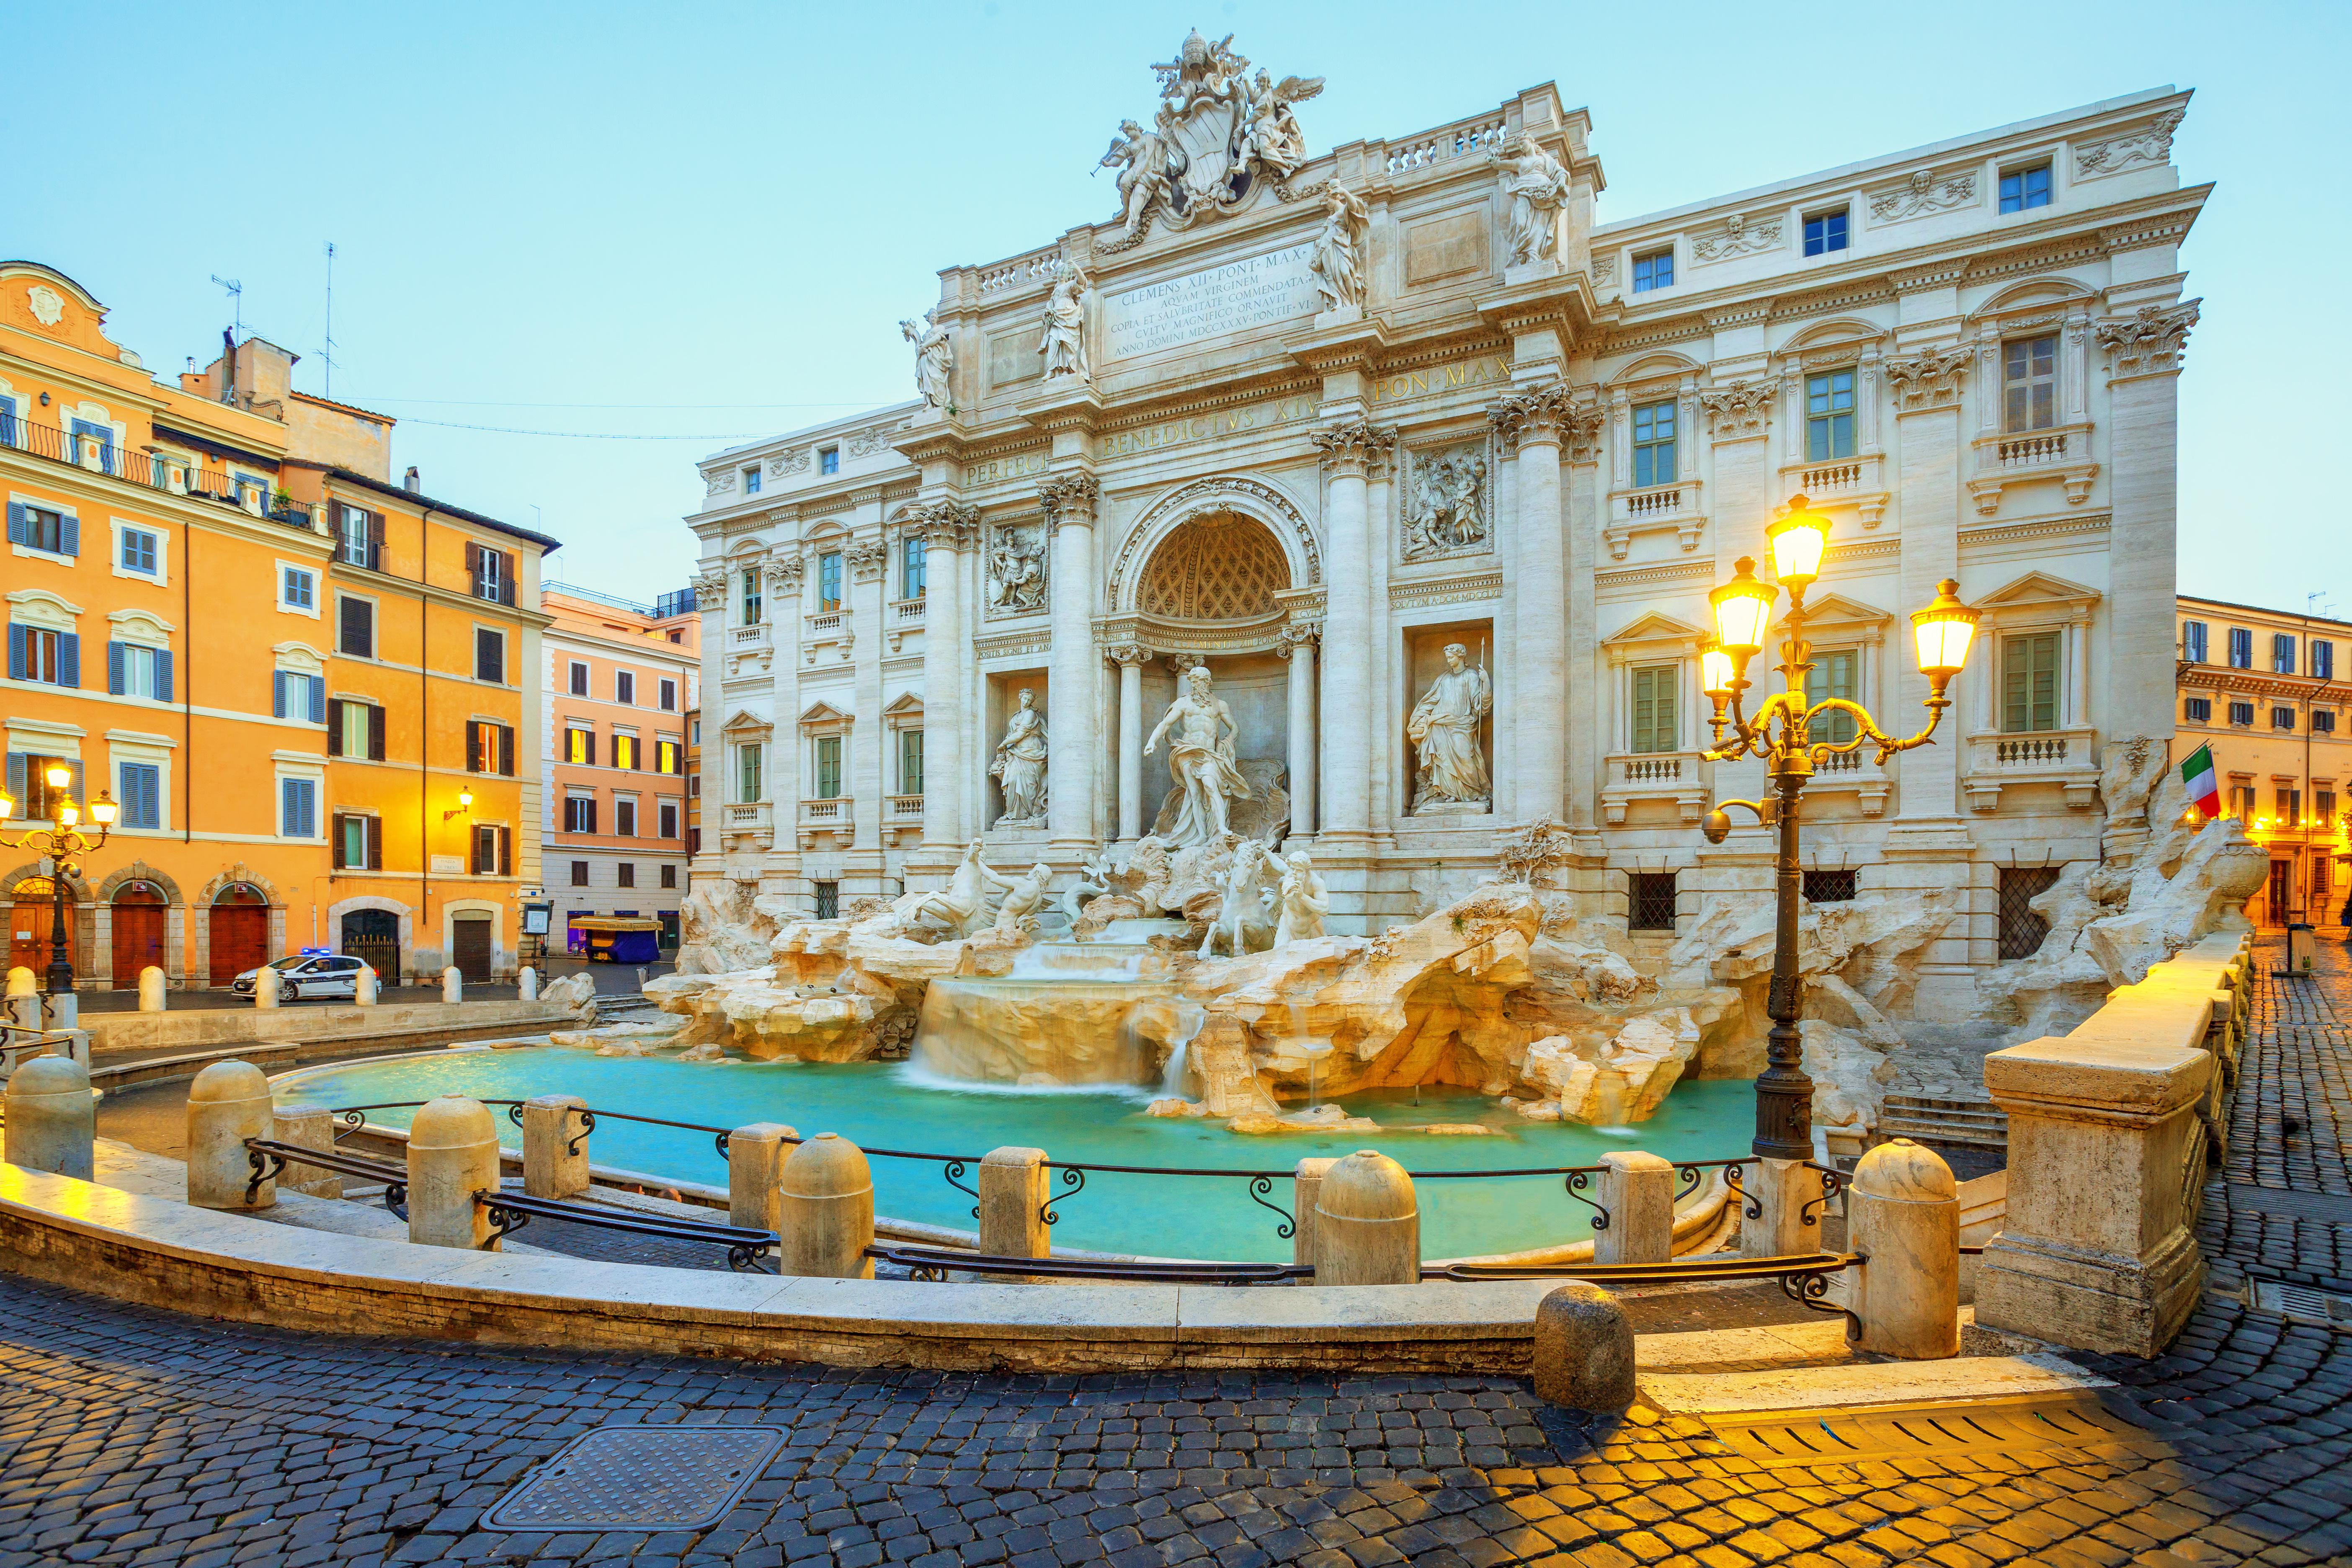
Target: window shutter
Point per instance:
(16, 522)
(16, 774)
(506, 852)
(592, 748)
(79, 792)
(70, 534)
(506, 750)
(375, 734)
(16, 658)
(506, 577)
(474, 567)
(374, 844)
(335, 727)
(638, 754)
(277, 694)
(318, 684)
(164, 675)
(338, 862)
(68, 658)
(591, 804)
(473, 748)
(113, 667)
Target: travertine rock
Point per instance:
(576, 992)
(725, 926)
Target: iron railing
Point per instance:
(155, 470)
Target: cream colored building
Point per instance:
(1311, 441)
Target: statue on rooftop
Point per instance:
(934, 359)
(1538, 187)
(1064, 347)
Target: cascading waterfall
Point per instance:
(1175, 1079)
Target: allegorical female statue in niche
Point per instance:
(1450, 772)
(1019, 765)
(1201, 760)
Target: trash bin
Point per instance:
(2302, 946)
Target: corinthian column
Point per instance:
(2142, 442)
(948, 528)
(1074, 746)
(1297, 645)
(1130, 657)
(1349, 746)
(1537, 420)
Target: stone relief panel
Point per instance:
(795, 461)
(1015, 564)
(1738, 237)
(1925, 194)
(2149, 143)
(1448, 502)
(865, 443)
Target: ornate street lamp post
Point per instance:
(1780, 734)
(60, 846)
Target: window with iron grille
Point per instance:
(1652, 901)
(828, 900)
(2021, 930)
(1828, 887)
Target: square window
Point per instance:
(829, 460)
(1653, 270)
(1830, 887)
(2322, 720)
(1829, 416)
(2241, 714)
(2198, 710)
(35, 653)
(2022, 189)
(43, 528)
(2281, 718)
(1825, 232)
(139, 552)
(297, 588)
(139, 671)
(1650, 904)
(1653, 444)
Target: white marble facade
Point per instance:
(1223, 462)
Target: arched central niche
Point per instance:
(1220, 566)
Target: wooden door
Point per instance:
(470, 943)
(28, 928)
(240, 940)
(138, 941)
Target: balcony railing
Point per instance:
(155, 470)
(906, 610)
(2068, 758)
(906, 808)
(1654, 776)
(744, 817)
(828, 811)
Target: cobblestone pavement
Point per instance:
(135, 1436)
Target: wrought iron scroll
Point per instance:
(952, 1169)
(1073, 1177)
(1810, 1290)
(1832, 1183)
(503, 1219)
(266, 1168)
(1260, 1188)
(1577, 1182)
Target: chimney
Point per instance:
(408, 481)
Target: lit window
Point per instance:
(2198, 710)
(2029, 383)
(829, 460)
(2192, 641)
(139, 552)
(1825, 232)
(1653, 270)
(579, 745)
(2030, 683)
(2023, 188)
(1653, 444)
(666, 756)
(625, 751)
(1829, 416)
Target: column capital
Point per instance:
(780, 573)
(866, 558)
(1740, 411)
(710, 587)
(944, 524)
(1539, 416)
(1127, 653)
(1296, 635)
(1929, 379)
(1069, 498)
(1353, 446)
(2153, 342)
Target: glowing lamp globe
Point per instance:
(59, 774)
(1796, 544)
(103, 810)
(466, 800)
(1715, 672)
(67, 813)
(1942, 632)
(7, 807)
(1743, 610)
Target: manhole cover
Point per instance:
(640, 1477)
(1843, 1436)
(2300, 1302)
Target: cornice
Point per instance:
(122, 495)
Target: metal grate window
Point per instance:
(1828, 887)
(1652, 901)
(2021, 930)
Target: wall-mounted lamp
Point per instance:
(465, 805)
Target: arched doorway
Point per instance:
(372, 936)
(30, 923)
(138, 913)
(238, 924)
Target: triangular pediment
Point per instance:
(1655, 628)
(2039, 589)
(820, 714)
(908, 703)
(745, 723)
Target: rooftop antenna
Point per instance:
(228, 338)
(236, 301)
(327, 352)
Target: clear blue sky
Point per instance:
(545, 211)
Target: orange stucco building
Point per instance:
(188, 568)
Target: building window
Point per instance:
(2286, 806)
(1825, 232)
(694, 787)
(2322, 720)
(298, 808)
(1653, 726)
(43, 528)
(294, 695)
(666, 818)
(2198, 710)
(354, 536)
(624, 817)
(2323, 808)
(2192, 641)
(751, 480)
(355, 627)
(2241, 648)
(2028, 676)
(493, 573)
(298, 589)
(1653, 270)
(2323, 660)
(579, 745)
(666, 758)
(489, 747)
(1830, 887)
(2029, 383)
(1829, 416)
(2241, 714)
(667, 694)
(625, 753)
(828, 767)
(626, 874)
(134, 670)
(579, 679)
(580, 873)
(1838, 674)
(1650, 902)
(359, 842)
(352, 727)
(828, 581)
(913, 566)
(752, 596)
(493, 850)
(2281, 718)
(1653, 444)
(28, 782)
(139, 552)
(829, 460)
(828, 900)
(139, 791)
(2242, 802)
(625, 687)
(2026, 188)
(579, 815)
(2281, 654)
(910, 761)
(2022, 928)
(35, 653)
(669, 878)
(489, 655)
(747, 774)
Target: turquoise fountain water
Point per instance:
(888, 1106)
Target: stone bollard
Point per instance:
(228, 1103)
(1638, 1191)
(24, 1009)
(52, 1119)
(826, 1199)
(265, 987)
(312, 1127)
(527, 985)
(1306, 1189)
(453, 984)
(1583, 1350)
(64, 1010)
(452, 1154)
(755, 1167)
(554, 1146)
(363, 988)
(1782, 1188)
(1903, 1214)
(22, 981)
(153, 985)
(1366, 1225)
(1014, 1187)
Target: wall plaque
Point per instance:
(1239, 294)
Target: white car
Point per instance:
(297, 977)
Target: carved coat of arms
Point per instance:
(1215, 135)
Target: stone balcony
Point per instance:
(827, 628)
(832, 816)
(1654, 776)
(2062, 453)
(902, 820)
(1678, 505)
(748, 819)
(747, 652)
(899, 617)
(2068, 758)
(1855, 773)
(1858, 482)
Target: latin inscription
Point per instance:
(1205, 426)
(1440, 378)
(1236, 297)
(1007, 467)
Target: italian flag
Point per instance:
(2197, 773)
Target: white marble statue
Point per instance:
(1202, 99)
(1096, 877)
(934, 359)
(962, 906)
(1303, 899)
(1148, 163)
(1450, 773)
(1064, 347)
(1337, 260)
(1240, 923)
(1024, 897)
(1020, 764)
(1199, 759)
(1445, 508)
(1539, 189)
(1016, 572)
(1274, 142)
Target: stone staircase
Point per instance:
(1973, 1123)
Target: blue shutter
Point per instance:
(318, 684)
(16, 778)
(277, 694)
(162, 675)
(16, 522)
(141, 793)
(16, 646)
(79, 792)
(68, 658)
(113, 667)
(68, 535)
(7, 421)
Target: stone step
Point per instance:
(1975, 1123)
